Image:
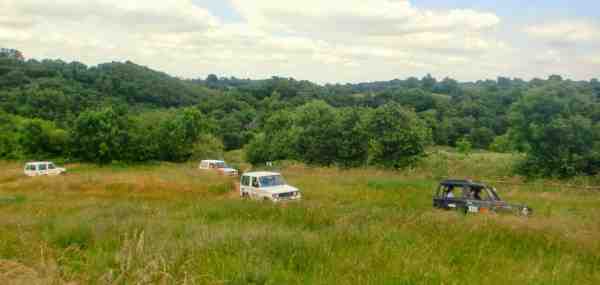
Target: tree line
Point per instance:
(126, 112)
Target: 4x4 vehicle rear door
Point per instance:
(254, 188)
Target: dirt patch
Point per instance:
(12, 272)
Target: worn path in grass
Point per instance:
(174, 224)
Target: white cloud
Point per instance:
(566, 32)
(376, 17)
(323, 41)
(397, 24)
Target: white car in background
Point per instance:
(269, 186)
(40, 168)
(219, 165)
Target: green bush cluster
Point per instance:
(108, 135)
(318, 134)
(128, 112)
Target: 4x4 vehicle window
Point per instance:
(51, 166)
(30, 167)
(246, 180)
(271, 180)
(254, 182)
(42, 167)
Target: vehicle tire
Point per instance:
(465, 210)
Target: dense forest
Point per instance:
(127, 112)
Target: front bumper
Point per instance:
(287, 199)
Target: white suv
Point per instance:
(218, 165)
(267, 186)
(42, 168)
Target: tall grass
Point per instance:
(173, 224)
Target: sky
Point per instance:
(334, 41)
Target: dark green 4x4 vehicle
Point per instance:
(473, 197)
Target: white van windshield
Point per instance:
(271, 180)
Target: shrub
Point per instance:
(501, 144)
(397, 136)
(562, 141)
(207, 146)
(464, 146)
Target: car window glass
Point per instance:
(450, 192)
(42, 166)
(51, 166)
(254, 182)
(246, 180)
(475, 193)
(486, 195)
(271, 180)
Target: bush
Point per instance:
(258, 150)
(99, 136)
(207, 147)
(501, 144)
(397, 136)
(464, 146)
(561, 141)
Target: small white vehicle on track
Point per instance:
(268, 186)
(40, 168)
(218, 165)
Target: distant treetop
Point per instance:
(11, 53)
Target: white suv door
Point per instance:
(255, 188)
(52, 170)
(42, 169)
(245, 186)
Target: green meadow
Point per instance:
(173, 224)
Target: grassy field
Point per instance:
(172, 224)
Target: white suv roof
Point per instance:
(212, 160)
(261, 173)
(40, 162)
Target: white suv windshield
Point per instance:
(51, 166)
(220, 165)
(272, 180)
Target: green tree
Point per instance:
(207, 146)
(482, 137)
(502, 144)
(99, 136)
(397, 136)
(561, 141)
(179, 134)
(353, 138)
(9, 137)
(318, 133)
(40, 139)
(258, 150)
(464, 146)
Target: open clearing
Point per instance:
(170, 223)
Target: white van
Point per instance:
(218, 165)
(42, 168)
(265, 185)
